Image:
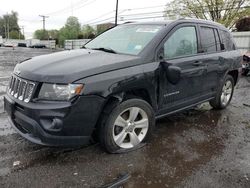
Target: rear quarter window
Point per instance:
(227, 40)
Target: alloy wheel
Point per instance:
(226, 92)
(130, 127)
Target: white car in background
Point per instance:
(8, 44)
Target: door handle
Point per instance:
(197, 63)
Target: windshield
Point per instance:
(127, 39)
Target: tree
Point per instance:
(9, 23)
(71, 30)
(41, 34)
(53, 34)
(226, 12)
(243, 24)
(103, 27)
(88, 32)
(46, 34)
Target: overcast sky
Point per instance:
(87, 11)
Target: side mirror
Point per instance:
(173, 73)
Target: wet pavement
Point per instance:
(196, 148)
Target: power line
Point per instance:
(68, 8)
(148, 17)
(149, 7)
(143, 18)
(110, 18)
(100, 16)
(76, 6)
(139, 14)
(156, 13)
(122, 10)
(108, 13)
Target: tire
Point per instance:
(245, 72)
(119, 130)
(224, 94)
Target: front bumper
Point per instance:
(55, 123)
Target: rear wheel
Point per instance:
(224, 94)
(128, 125)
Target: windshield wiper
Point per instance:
(109, 50)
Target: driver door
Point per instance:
(180, 49)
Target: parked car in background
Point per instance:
(38, 46)
(123, 80)
(20, 44)
(246, 64)
(8, 44)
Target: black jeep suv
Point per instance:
(121, 81)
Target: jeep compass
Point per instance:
(119, 83)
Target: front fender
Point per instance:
(119, 81)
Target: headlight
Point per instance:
(60, 92)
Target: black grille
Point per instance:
(21, 89)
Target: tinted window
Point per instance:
(181, 43)
(227, 40)
(208, 42)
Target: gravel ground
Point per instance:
(196, 148)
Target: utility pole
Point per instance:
(5, 29)
(8, 26)
(44, 19)
(116, 12)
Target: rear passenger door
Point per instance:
(210, 55)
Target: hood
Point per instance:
(69, 66)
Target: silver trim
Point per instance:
(21, 89)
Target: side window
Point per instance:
(181, 43)
(208, 41)
(227, 40)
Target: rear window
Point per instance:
(227, 40)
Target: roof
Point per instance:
(181, 20)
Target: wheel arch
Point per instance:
(116, 98)
(234, 74)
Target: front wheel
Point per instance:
(224, 94)
(128, 125)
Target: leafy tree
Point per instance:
(41, 34)
(10, 22)
(46, 34)
(53, 34)
(243, 24)
(226, 12)
(88, 32)
(71, 30)
(103, 27)
(15, 35)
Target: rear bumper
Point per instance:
(55, 123)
